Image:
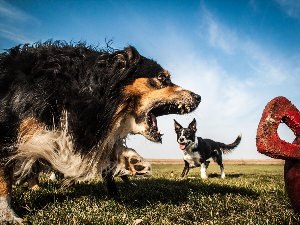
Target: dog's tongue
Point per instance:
(181, 146)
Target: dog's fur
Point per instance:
(73, 105)
(197, 150)
(127, 162)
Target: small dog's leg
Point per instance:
(207, 164)
(186, 169)
(6, 212)
(222, 171)
(203, 170)
(219, 161)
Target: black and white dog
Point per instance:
(197, 150)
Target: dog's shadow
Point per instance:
(177, 191)
(147, 191)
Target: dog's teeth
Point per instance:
(179, 106)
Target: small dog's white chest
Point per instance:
(193, 158)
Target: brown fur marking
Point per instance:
(5, 181)
(29, 127)
(148, 95)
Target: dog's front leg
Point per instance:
(186, 169)
(203, 170)
(111, 186)
(7, 215)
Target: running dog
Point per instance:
(197, 150)
(73, 105)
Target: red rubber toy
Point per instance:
(278, 110)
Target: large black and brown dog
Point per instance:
(72, 106)
(196, 150)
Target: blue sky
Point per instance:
(236, 54)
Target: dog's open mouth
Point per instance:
(182, 146)
(161, 110)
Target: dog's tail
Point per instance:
(228, 148)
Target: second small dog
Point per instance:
(126, 162)
(197, 150)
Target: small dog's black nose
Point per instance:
(181, 139)
(197, 97)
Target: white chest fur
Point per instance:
(193, 158)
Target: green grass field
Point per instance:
(250, 194)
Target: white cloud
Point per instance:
(266, 66)
(224, 112)
(218, 35)
(232, 103)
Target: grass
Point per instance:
(250, 194)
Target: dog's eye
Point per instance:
(164, 80)
(134, 161)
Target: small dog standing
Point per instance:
(197, 150)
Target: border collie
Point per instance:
(197, 150)
(72, 105)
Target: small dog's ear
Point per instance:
(177, 126)
(193, 125)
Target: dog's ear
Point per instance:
(133, 56)
(126, 59)
(193, 125)
(177, 126)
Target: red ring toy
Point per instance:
(278, 110)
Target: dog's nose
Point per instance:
(197, 97)
(181, 139)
